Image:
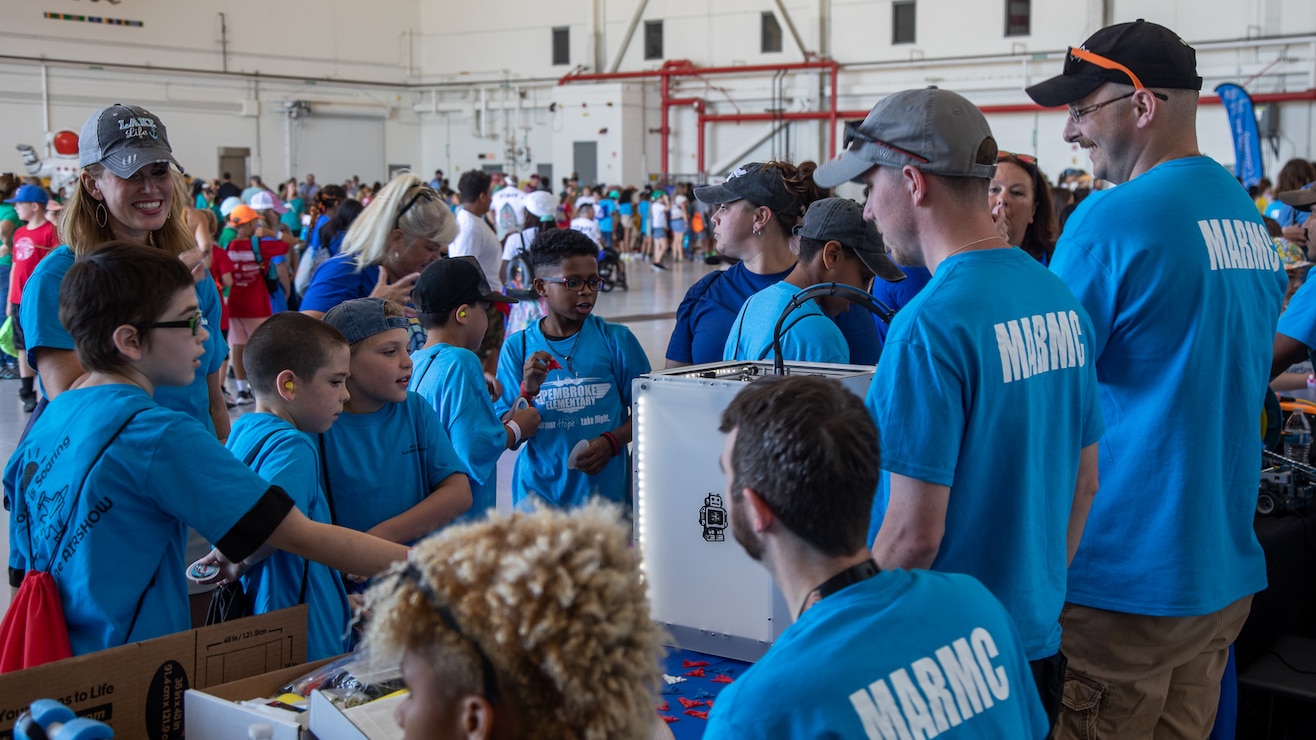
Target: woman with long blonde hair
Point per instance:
(130, 188)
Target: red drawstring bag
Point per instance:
(33, 631)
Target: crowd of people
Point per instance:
(974, 547)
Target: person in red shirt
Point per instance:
(249, 300)
(31, 244)
(221, 268)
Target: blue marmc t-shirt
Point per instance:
(287, 458)
(127, 512)
(589, 395)
(39, 315)
(452, 381)
(1184, 299)
(903, 654)
(382, 464)
(807, 335)
(987, 385)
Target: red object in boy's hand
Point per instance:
(552, 365)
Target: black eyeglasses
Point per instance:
(412, 574)
(578, 283)
(853, 134)
(423, 191)
(198, 319)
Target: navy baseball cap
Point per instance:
(124, 138)
(1152, 53)
(842, 219)
(30, 194)
(362, 318)
(448, 283)
(757, 182)
(935, 131)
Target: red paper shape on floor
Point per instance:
(693, 663)
(697, 713)
(664, 707)
(722, 678)
(697, 673)
(669, 719)
(687, 703)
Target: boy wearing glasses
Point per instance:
(107, 481)
(1183, 285)
(576, 369)
(453, 299)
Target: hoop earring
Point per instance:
(102, 215)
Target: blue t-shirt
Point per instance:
(287, 458)
(987, 385)
(337, 281)
(902, 654)
(603, 211)
(704, 318)
(1286, 214)
(1299, 320)
(1184, 298)
(39, 315)
(382, 464)
(589, 395)
(127, 530)
(807, 335)
(452, 381)
(896, 295)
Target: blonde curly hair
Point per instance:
(556, 602)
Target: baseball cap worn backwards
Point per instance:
(449, 283)
(757, 182)
(362, 318)
(935, 131)
(842, 219)
(124, 139)
(1142, 54)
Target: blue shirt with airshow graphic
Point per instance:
(589, 395)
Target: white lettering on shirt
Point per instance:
(953, 687)
(1238, 245)
(1039, 344)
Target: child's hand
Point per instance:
(494, 384)
(528, 420)
(228, 571)
(535, 371)
(195, 260)
(597, 455)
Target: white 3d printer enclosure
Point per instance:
(703, 588)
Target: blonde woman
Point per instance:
(130, 189)
(406, 227)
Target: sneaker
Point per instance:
(658, 266)
(245, 397)
(8, 372)
(228, 400)
(29, 401)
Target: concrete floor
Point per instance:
(648, 308)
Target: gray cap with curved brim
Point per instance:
(124, 139)
(935, 131)
(842, 220)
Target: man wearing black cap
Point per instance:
(986, 395)
(1183, 286)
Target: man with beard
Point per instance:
(872, 653)
(986, 395)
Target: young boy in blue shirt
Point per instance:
(106, 482)
(836, 246)
(390, 469)
(298, 368)
(453, 298)
(576, 369)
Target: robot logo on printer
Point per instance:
(713, 517)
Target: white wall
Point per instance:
(437, 85)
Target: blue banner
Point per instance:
(1243, 124)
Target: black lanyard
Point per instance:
(856, 573)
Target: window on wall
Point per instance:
(770, 33)
(562, 45)
(1018, 17)
(902, 22)
(653, 39)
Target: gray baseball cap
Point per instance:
(757, 182)
(362, 318)
(935, 131)
(124, 138)
(843, 220)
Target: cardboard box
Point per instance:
(373, 721)
(214, 713)
(138, 689)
